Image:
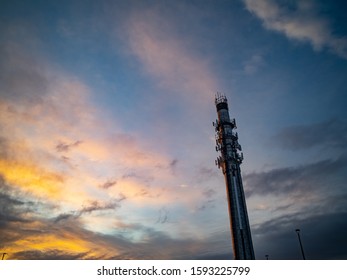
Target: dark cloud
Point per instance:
(65, 216)
(205, 173)
(10, 209)
(108, 184)
(324, 204)
(206, 205)
(121, 197)
(48, 255)
(172, 166)
(209, 201)
(66, 147)
(144, 178)
(174, 163)
(209, 193)
(91, 207)
(329, 174)
(98, 206)
(163, 216)
(130, 175)
(159, 245)
(328, 134)
(323, 237)
(14, 216)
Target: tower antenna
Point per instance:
(229, 161)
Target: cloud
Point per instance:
(209, 193)
(10, 207)
(90, 208)
(253, 64)
(208, 204)
(32, 178)
(108, 184)
(48, 255)
(39, 238)
(300, 22)
(298, 181)
(328, 134)
(322, 235)
(68, 170)
(25, 235)
(65, 147)
(40, 153)
(204, 174)
(69, 179)
(168, 58)
(163, 216)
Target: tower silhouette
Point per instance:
(229, 161)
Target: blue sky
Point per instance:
(106, 140)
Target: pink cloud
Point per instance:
(169, 59)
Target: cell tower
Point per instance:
(229, 160)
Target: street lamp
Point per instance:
(302, 249)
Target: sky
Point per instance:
(107, 149)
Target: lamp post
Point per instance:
(301, 247)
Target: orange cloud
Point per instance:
(31, 178)
(63, 240)
(51, 242)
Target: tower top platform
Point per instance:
(220, 98)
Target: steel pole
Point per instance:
(301, 247)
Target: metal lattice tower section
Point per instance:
(229, 161)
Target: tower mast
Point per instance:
(229, 161)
